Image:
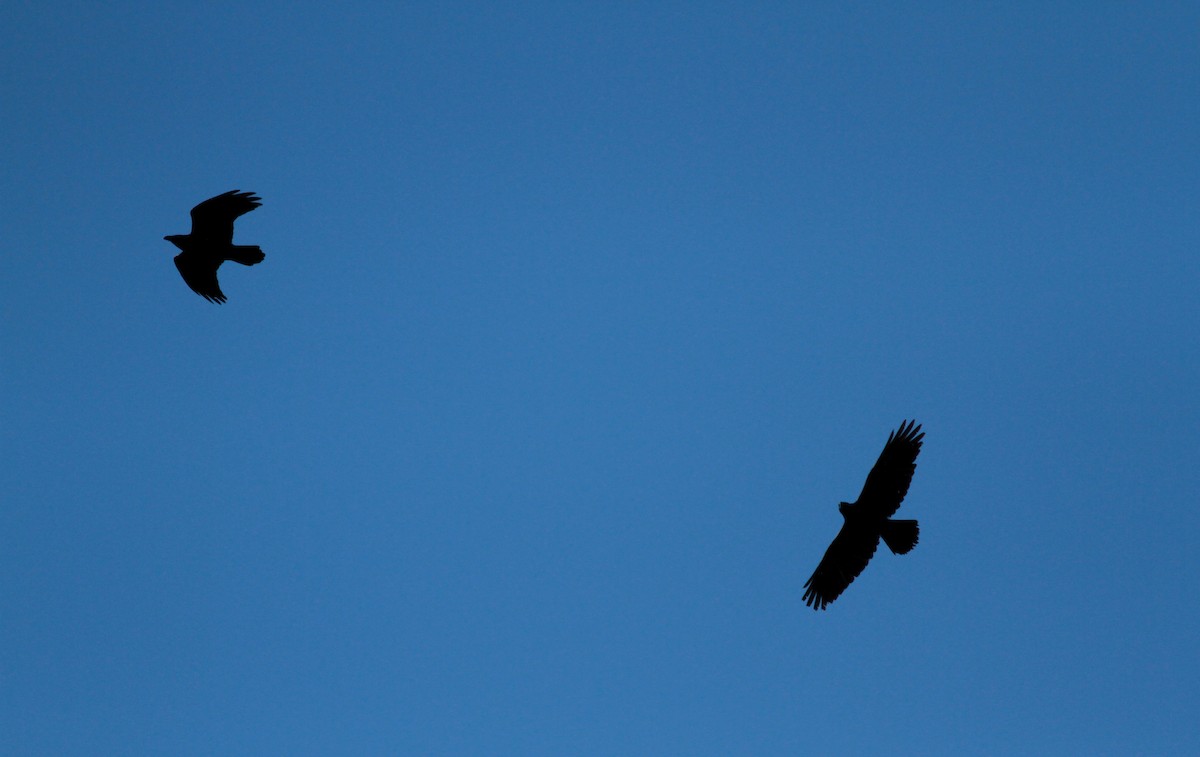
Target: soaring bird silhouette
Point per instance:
(869, 518)
(211, 242)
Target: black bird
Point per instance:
(869, 518)
(211, 242)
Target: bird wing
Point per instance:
(888, 481)
(212, 220)
(846, 557)
(201, 276)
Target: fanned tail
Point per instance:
(900, 535)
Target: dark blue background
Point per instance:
(576, 323)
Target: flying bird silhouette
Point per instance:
(869, 518)
(211, 242)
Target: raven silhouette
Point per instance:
(211, 242)
(869, 518)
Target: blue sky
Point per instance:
(576, 323)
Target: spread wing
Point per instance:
(212, 220)
(888, 481)
(201, 275)
(846, 557)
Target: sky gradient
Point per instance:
(576, 323)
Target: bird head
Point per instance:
(174, 239)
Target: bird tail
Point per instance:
(246, 254)
(900, 535)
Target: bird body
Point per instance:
(869, 519)
(210, 242)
